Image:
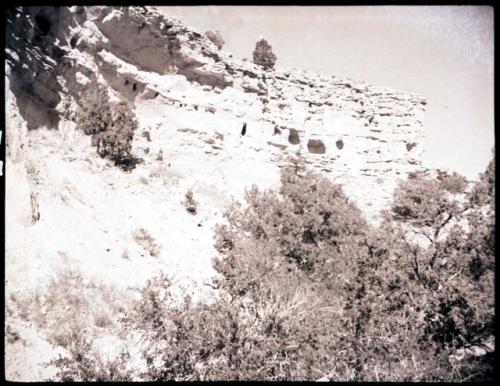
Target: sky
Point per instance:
(443, 53)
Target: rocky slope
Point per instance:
(352, 130)
(69, 209)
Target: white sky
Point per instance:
(444, 53)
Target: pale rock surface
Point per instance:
(68, 208)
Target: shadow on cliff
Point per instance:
(33, 59)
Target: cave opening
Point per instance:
(410, 146)
(316, 146)
(43, 24)
(73, 41)
(293, 137)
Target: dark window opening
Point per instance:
(126, 82)
(410, 146)
(73, 41)
(43, 24)
(134, 87)
(316, 146)
(293, 137)
(244, 129)
(340, 144)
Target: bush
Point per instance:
(84, 364)
(312, 236)
(112, 128)
(452, 276)
(428, 204)
(228, 339)
(68, 304)
(115, 142)
(308, 290)
(274, 318)
(145, 240)
(398, 319)
(263, 55)
(70, 312)
(310, 224)
(189, 203)
(95, 114)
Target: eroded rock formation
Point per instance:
(350, 129)
(208, 122)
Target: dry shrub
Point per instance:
(66, 312)
(112, 127)
(309, 290)
(189, 202)
(84, 364)
(68, 305)
(95, 113)
(145, 240)
(231, 339)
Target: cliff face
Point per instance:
(365, 136)
(207, 122)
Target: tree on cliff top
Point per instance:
(263, 54)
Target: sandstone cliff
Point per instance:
(72, 209)
(351, 130)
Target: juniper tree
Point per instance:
(263, 55)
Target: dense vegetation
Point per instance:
(308, 289)
(111, 127)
